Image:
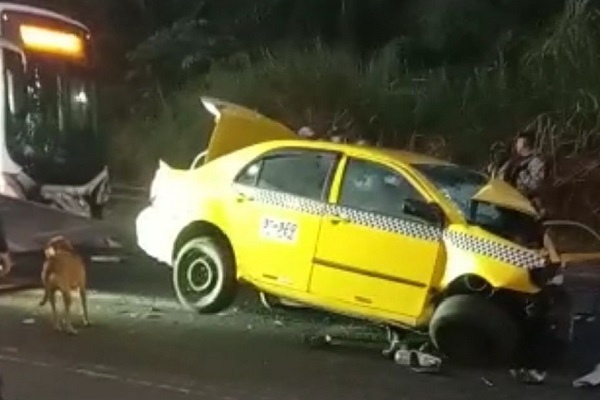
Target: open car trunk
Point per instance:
(237, 127)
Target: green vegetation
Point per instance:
(553, 84)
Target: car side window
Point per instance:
(373, 187)
(300, 173)
(249, 175)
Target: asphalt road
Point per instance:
(143, 345)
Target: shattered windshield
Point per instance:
(460, 184)
(457, 183)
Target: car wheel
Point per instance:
(204, 275)
(473, 330)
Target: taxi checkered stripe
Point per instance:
(390, 224)
(372, 220)
(289, 201)
(504, 253)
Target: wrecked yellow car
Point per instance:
(389, 236)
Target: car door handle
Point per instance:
(241, 197)
(339, 218)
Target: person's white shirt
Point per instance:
(306, 132)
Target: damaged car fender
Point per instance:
(470, 251)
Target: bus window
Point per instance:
(15, 85)
(79, 102)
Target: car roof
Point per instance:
(392, 155)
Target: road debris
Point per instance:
(585, 317)
(529, 376)
(418, 360)
(487, 381)
(154, 313)
(231, 311)
(590, 380)
(342, 339)
(28, 321)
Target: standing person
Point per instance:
(361, 141)
(6, 263)
(306, 132)
(526, 171)
(499, 156)
(532, 359)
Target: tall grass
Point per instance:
(554, 88)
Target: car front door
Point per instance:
(370, 252)
(279, 204)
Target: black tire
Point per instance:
(204, 275)
(473, 330)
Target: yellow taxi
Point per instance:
(394, 237)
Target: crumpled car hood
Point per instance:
(500, 193)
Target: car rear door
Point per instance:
(280, 199)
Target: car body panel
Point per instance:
(320, 253)
(341, 307)
(369, 275)
(500, 193)
(282, 238)
(471, 250)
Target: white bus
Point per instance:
(51, 150)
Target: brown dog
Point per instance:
(64, 271)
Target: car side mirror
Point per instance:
(430, 212)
